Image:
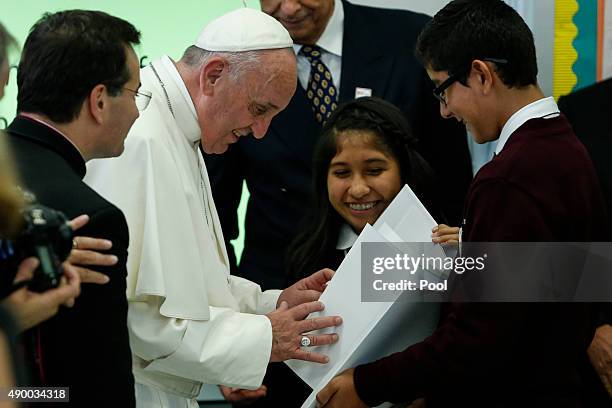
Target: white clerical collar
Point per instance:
(346, 238)
(182, 105)
(331, 39)
(542, 108)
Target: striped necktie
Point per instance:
(321, 91)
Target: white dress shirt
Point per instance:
(542, 108)
(331, 49)
(346, 238)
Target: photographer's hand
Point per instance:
(31, 308)
(85, 254)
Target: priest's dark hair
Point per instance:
(465, 30)
(66, 55)
(316, 244)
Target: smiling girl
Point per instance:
(366, 154)
(364, 157)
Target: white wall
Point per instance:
(541, 12)
(423, 6)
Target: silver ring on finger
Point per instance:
(305, 341)
(75, 244)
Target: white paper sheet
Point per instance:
(343, 297)
(408, 217)
(372, 330)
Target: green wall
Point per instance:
(167, 27)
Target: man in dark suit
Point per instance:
(540, 186)
(78, 83)
(364, 51)
(588, 111)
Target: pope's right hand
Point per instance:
(289, 325)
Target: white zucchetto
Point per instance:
(244, 29)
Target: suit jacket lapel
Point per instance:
(364, 61)
(364, 64)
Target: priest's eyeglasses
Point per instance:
(141, 97)
(439, 92)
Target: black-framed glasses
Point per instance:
(142, 98)
(438, 92)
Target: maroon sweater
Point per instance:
(541, 187)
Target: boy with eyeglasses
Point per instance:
(540, 186)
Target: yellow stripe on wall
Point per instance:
(565, 55)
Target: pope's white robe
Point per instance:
(190, 321)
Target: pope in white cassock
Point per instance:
(190, 321)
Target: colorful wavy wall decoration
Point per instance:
(600, 37)
(578, 44)
(564, 78)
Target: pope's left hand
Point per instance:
(340, 393)
(306, 290)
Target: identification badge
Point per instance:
(362, 92)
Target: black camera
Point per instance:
(47, 236)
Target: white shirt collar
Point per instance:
(331, 39)
(542, 108)
(346, 238)
(182, 105)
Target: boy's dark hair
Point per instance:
(465, 30)
(66, 55)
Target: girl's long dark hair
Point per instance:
(317, 241)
